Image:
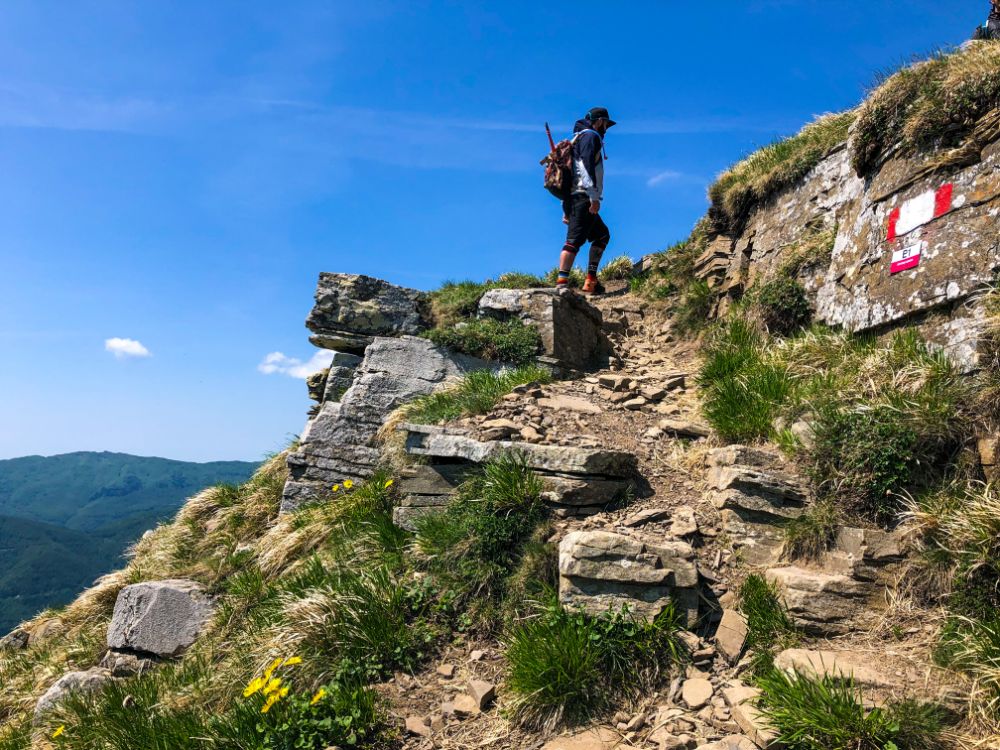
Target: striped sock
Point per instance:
(563, 278)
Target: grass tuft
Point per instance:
(618, 269)
(769, 627)
(783, 306)
(812, 533)
(509, 341)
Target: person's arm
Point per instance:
(588, 152)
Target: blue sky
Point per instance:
(176, 174)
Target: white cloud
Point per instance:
(656, 179)
(124, 348)
(278, 363)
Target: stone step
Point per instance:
(602, 569)
(853, 665)
(823, 604)
(443, 442)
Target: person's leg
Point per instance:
(576, 234)
(600, 237)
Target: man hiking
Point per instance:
(581, 211)
(992, 28)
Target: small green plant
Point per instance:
(566, 666)
(812, 712)
(812, 533)
(476, 393)
(783, 306)
(769, 627)
(618, 269)
(694, 306)
(510, 341)
(456, 301)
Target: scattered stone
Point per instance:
(634, 404)
(79, 683)
(466, 705)
(652, 393)
(683, 429)
(417, 725)
(696, 693)
(614, 382)
(646, 516)
(446, 670)
(477, 655)
(732, 742)
(731, 635)
(159, 617)
(847, 664)
(740, 698)
(126, 663)
(569, 403)
(685, 523)
(482, 692)
(600, 738)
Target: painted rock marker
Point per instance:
(911, 215)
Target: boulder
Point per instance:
(599, 570)
(162, 618)
(73, 683)
(570, 327)
(822, 604)
(15, 640)
(352, 310)
(340, 442)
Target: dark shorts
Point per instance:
(584, 226)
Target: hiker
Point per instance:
(581, 210)
(992, 28)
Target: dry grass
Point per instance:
(772, 169)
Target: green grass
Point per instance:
(576, 277)
(476, 393)
(768, 171)
(566, 666)
(828, 713)
(509, 341)
(812, 533)
(783, 306)
(931, 104)
(458, 301)
(769, 627)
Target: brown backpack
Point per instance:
(558, 165)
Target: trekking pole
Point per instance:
(552, 143)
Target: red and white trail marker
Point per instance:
(911, 215)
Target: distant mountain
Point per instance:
(65, 520)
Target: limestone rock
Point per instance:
(159, 617)
(822, 604)
(80, 683)
(352, 310)
(600, 569)
(417, 726)
(340, 375)
(696, 692)
(732, 742)
(340, 442)
(15, 640)
(570, 327)
(647, 516)
(731, 635)
(683, 429)
(569, 403)
(846, 664)
(600, 738)
(482, 692)
(740, 699)
(752, 480)
(684, 523)
(126, 663)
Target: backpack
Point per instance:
(558, 165)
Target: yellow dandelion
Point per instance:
(292, 661)
(348, 484)
(274, 698)
(320, 694)
(336, 488)
(272, 686)
(254, 686)
(387, 485)
(59, 731)
(270, 670)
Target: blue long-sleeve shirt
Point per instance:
(588, 161)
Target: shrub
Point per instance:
(828, 713)
(618, 269)
(509, 341)
(567, 666)
(772, 169)
(933, 103)
(783, 306)
(813, 532)
(476, 393)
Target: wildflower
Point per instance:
(270, 670)
(254, 686)
(274, 698)
(336, 488)
(292, 661)
(348, 484)
(272, 686)
(59, 731)
(320, 694)
(387, 485)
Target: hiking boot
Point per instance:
(592, 285)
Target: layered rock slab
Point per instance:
(340, 441)
(569, 326)
(352, 310)
(601, 570)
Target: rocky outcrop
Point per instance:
(352, 310)
(569, 326)
(940, 226)
(162, 618)
(339, 442)
(72, 683)
(848, 665)
(599, 570)
(821, 603)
